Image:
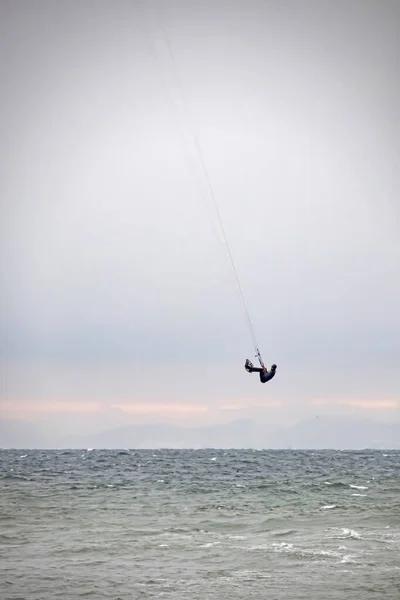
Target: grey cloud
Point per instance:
(109, 252)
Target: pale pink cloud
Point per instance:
(150, 408)
(250, 406)
(374, 404)
(354, 402)
(21, 409)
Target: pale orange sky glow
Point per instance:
(151, 409)
(251, 404)
(19, 409)
(368, 404)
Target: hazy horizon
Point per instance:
(118, 304)
(323, 433)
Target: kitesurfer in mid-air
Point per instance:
(265, 375)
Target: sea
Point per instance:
(199, 524)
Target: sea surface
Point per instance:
(199, 525)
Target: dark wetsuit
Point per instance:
(265, 375)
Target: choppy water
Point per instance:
(205, 524)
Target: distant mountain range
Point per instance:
(318, 433)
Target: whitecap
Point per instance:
(328, 507)
(345, 533)
(358, 487)
(209, 545)
(347, 558)
(350, 533)
(360, 495)
(283, 546)
(214, 458)
(326, 553)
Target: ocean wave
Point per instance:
(345, 533)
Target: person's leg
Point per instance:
(250, 368)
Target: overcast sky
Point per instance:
(118, 300)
